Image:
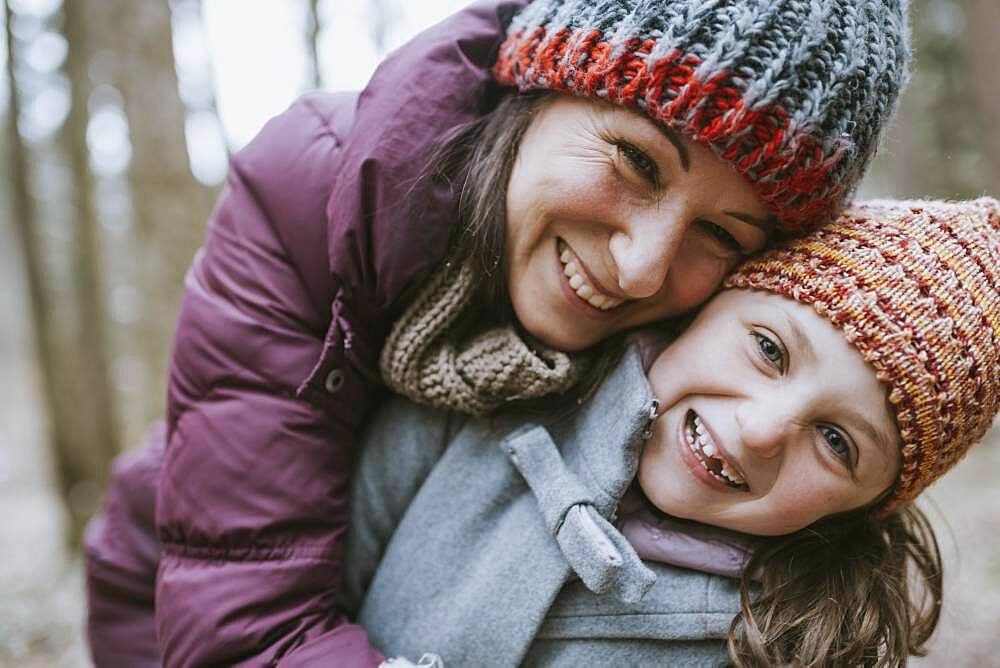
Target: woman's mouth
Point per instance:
(579, 282)
(709, 454)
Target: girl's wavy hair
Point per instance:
(853, 589)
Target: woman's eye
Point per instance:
(837, 442)
(723, 236)
(771, 351)
(640, 162)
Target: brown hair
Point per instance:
(476, 160)
(853, 589)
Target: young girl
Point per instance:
(807, 406)
(654, 144)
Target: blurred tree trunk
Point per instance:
(381, 13)
(169, 207)
(45, 343)
(74, 368)
(94, 404)
(982, 47)
(939, 145)
(312, 38)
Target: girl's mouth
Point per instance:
(580, 284)
(709, 454)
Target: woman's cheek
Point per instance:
(693, 278)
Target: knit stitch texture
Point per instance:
(915, 287)
(792, 93)
(432, 359)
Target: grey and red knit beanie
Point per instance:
(792, 93)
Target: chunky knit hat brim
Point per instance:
(915, 287)
(792, 93)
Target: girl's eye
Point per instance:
(722, 235)
(771, 350)
(838, 443)
(640, 161)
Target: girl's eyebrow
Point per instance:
(767, 224)
(863, 425)
(802, 343)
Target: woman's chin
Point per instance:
(559, 338)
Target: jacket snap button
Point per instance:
(334, 381)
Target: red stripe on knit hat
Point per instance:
(791, 176)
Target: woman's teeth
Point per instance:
(583, 289)
(701, 443)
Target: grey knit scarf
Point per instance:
(428, 360)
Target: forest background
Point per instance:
(119, 119)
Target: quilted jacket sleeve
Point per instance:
(283, 313)
(253, 493)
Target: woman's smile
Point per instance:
(582, 290)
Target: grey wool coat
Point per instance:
(489, 542)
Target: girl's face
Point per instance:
(613, 221)
(770, 419)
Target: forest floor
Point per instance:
(41, 585)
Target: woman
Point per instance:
(700, 127)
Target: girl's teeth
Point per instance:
(576, 281)
(596, 301)
(585, 291)
(570, 269)
(566, 256)
(699, 441)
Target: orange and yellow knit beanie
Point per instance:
(915, 286)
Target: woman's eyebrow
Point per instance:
(669, 134)
(766, 224)
(675, 140)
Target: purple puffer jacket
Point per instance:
(321, 228)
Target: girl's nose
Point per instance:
(644, 252)
(765, 427)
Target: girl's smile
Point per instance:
(706, 458)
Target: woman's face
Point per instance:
(770, 420)
(614, 221)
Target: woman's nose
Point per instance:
(644, 252)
